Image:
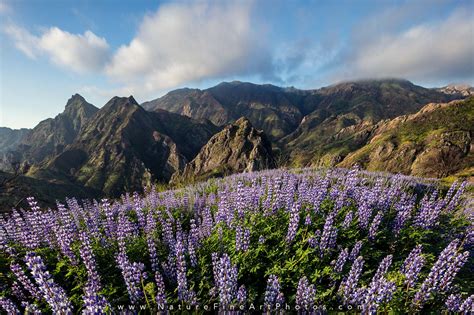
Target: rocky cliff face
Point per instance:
(239, 147)
(123, 147)
(51, 136)
(435, 142)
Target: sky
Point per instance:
(52, 49)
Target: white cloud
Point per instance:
(185, 42)
(23, 40)
(79, 53)
(428, 52)
(4, 7)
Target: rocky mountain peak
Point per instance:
(239, 147)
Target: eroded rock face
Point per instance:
(239, 147)
(437, 141)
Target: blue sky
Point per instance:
(51, 49)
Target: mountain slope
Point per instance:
(345, 116)
(11, 138)
(239, 147)
(293, 115)
(50, 136)
(437, 141)
(123, 147)
(267, 107)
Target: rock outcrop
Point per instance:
(239, 147)
(437, 141)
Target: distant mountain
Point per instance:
(345, 115)
(437, 141)
(268, 107)
(280, 111)
(123, 147)
(238, 148)
(461, 90)
(50, 136)
(11, 138)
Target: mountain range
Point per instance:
(192, 134)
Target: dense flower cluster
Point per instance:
(442, 273)
(304, 237)
(305, 295)
(52, 293)
(273, 295)
(412, 266)
(225, 279)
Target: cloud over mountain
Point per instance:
(428, 52)
(184, 42)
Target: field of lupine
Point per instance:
(303, 240)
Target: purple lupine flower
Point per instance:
(181, 268)
(307, 220)
(355, 251)
(429, 211)
(31, 308)
(453, 302)
(380, 290)
(328, 236)
(412, 266)
(404, 209)
(261, 239)
(25, 281)
(242, 296)
(305, 295)
(65, 240)
(109, 217)
(457, 197)
(240, 204)
(313, 241)
(242, 239)
(341, 260)
(467, 307)
(225, 279)
(138, 205)
(17, 291)
(133, 273)
(442, 273)
(374, 226)
(150, 227)
(9, 306)
(348, 220)
(160, 291)
(294, 222)
(383, 267)
(348, 286)
(273, 294)
(54, 295)
(93, 302)
(207, 222)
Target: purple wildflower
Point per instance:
(348, 286)
(305, 295)
(54, 295)
(341, 260)
(442, 273)
(412, 266)
(9, 306)
(273, 294)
